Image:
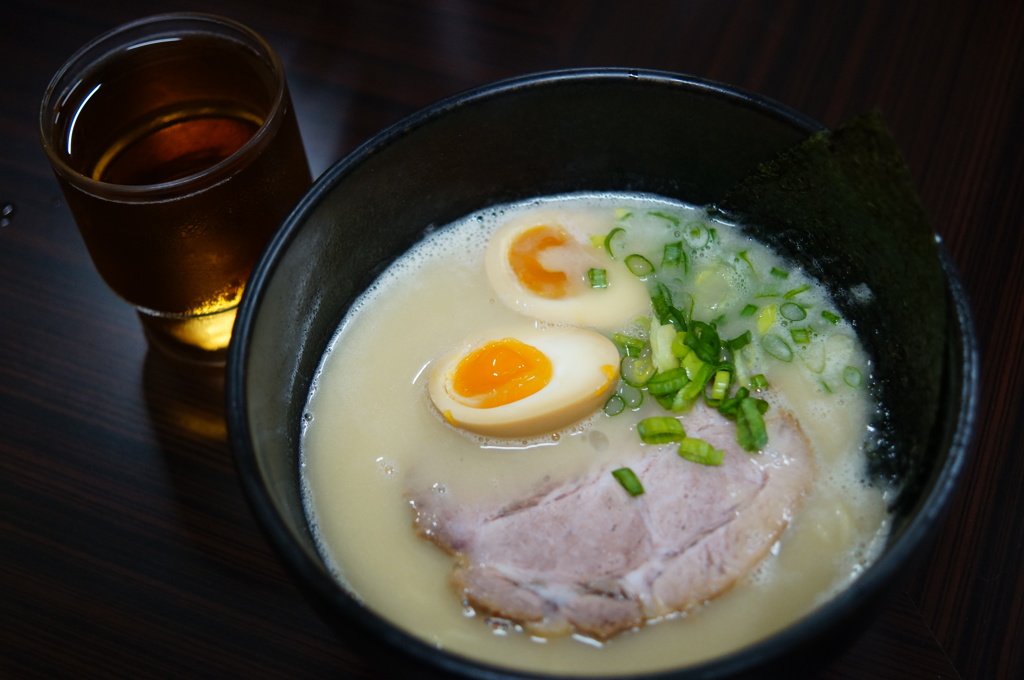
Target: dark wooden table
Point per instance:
(126, 546)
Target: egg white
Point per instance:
(622, 301)
(585, 372)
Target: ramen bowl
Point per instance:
(593, 130)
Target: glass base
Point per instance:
(202, 339)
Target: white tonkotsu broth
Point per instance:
(371, 435)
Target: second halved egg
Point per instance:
(550, 265)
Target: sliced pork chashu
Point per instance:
(586, 557)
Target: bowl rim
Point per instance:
(320, 585)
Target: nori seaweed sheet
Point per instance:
(842, 205)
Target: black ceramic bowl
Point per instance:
(543, 134)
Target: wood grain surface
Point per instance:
(126, 547)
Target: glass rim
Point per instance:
(136, 32)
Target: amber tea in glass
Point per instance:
(178, 152)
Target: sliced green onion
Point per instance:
(614, 406)
(660, 430)
(831, 317)
(758, 382)
(697, 234)
(695, 387)
(776, 347)
(801, 336)
(780, 273)
(748, 310)
(662, 338)
(665, 216)
(598, 278)
(639, 265)
(664, 308)
(666, 400)
(630, 346)
(750, 431)
(636, 371)
(703, 339)
(793, 311)
(740, 341)
(790, 294)
(614, 241)
(673, 256)
(852, 376)
(700, 451)
(743, 256)
(633, 397)
(629, 481)
(730, 406)
(681, 401)
(679, 346)
(766, 318)
(668, 382)
(692, 364)
(721, 384)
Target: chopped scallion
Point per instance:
(721, 384)
(692, 364)
(766, 319)
(801, 336)
(730, 406)
(660, 430)
(748, 310)
(673, 256)
(695, 387)
(750, 430)
(780, 273)
(668, 382)
(703, 339)
(681, 401)
(598, 278)
(792, 311)
(614, 406)
(636, 371)
(700, 451)
(831, 317)
(743, 256)
(639, 265)
(614, 241)
(790, 294)
(662, 338)
(758, 382)
(697, 234)
(630, 346)
(740, 341)
(665, 216)
(679, 346)
(664, 308)
(852, 376)
(777, 347)
(629, 481)
(632, 396)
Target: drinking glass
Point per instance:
(177, 149)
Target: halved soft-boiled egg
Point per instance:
(551, 265)
(525, 381)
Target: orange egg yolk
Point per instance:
(523, 258)
(500, 372)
